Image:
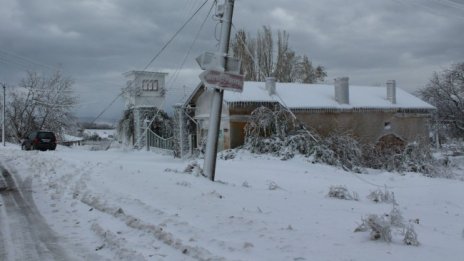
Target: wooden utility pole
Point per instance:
(209, 165)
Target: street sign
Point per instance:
(211, 61)
(208, 60)
(222, 80)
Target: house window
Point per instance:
(150, 85)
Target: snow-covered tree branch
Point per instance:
(39, 103)
(446, 92)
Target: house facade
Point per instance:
(372, 115)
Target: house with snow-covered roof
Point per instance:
(370, 114)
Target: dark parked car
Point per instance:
(39, 140)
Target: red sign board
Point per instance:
(222, 80)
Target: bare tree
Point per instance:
(305, 72)
(40, 103)
(286, 59)
(257, 56)
(264, 52)
(445, 91)
(244, 48)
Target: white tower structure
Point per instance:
(144, 94)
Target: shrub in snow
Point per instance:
(299, 143)
(396, 218)
(273, 186)
(417, 158)
(193, 168)
(382, 196)
(414, 157)
(341, 192)
(410, 236)
(227, 154)
(340, 149)
(277, 133)
(245, 184)
(379, 227)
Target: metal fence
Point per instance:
(159, 142)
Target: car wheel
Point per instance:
(23, 147)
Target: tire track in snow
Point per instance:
(26, 236)
(159, 232)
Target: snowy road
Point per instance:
(24, 234)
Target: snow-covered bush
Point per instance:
(417, 158)
(341, 192)
(273, 186)
(227, 154)
(379, 227)
(410, 236)
(194, 168)
(278, 133)
(382, 196)
(262, 123)
(396, 218)
(299, 143)
(414, 157)
(339, 149)
(267, 131)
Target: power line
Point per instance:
(432, 10)
(177, 72)
(451, 4)
(168, 88)
(174, 36)
(155, 57)
(23, 60)
(107, 107)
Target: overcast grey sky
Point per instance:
(95, 41)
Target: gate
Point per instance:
(153, 140)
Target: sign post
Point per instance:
(222, 80)
(219, 76)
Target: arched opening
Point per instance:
(390, 143)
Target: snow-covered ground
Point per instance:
(138, 205)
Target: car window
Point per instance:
(46, 135)
(31, 136)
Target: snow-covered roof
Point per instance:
(322, 96)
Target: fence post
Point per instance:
(147, 130)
